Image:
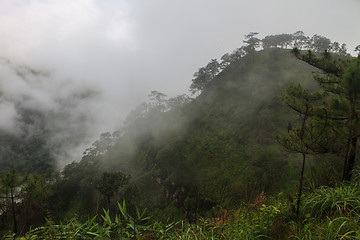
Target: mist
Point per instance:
(86, 64)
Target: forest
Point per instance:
(263, 147)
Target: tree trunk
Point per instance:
(350, 160)
(301, 184)
(13, 211)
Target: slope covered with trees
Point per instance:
(235, 143)
(220, 149)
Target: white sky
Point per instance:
(131, 47)
(127, 48)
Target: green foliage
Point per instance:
(10, 185)
(205, 76)
(111, 182)
(217, 150)
(123, 226)
(329, 213)
(351, 79)
(252, 42)
(191, 158)
(341, 201)
(340, 81)
(272, 219)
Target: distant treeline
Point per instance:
(298, 40)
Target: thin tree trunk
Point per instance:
(301, 184)
(13, 211)
(350, 148)
(301, 136)
(350, 160)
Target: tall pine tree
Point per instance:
(340, 80)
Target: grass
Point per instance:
(326, 213)
(341, 201)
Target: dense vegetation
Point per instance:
(223, 165)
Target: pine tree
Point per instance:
(10, 185)
(304, 138)
(340, 80)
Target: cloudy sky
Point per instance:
(126, 48)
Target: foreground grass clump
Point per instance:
(329, 213)
(340, 201)
(244, 223)
(326, 213)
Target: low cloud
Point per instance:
(96, 60)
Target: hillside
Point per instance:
(218, 150)
(186, 158)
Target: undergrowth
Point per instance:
(326, 213)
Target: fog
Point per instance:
(88, 63)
